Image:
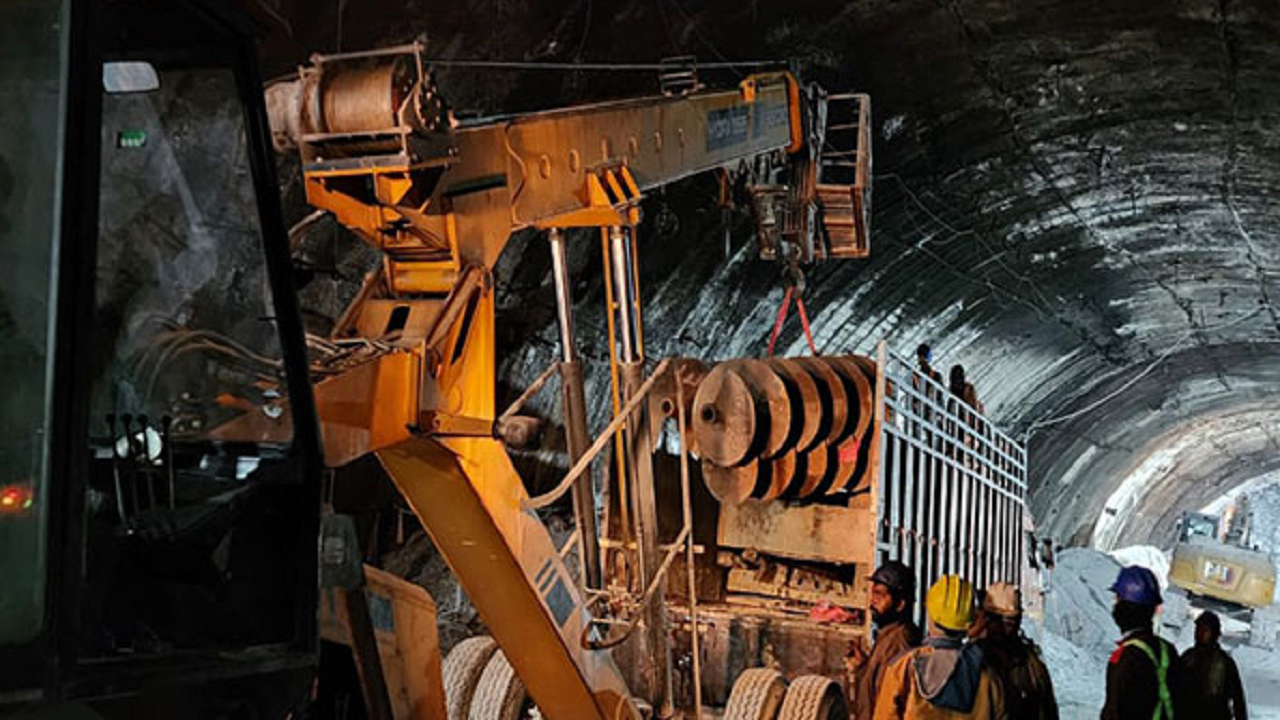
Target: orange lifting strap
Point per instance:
(782, 317)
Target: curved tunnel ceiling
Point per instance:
(1074, 199)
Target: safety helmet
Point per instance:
(897, 577)
(950, 603)
(1137, 585)
(1003, 599)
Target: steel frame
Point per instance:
(952, 486)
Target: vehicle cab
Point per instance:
(155, 564)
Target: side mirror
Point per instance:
(129, 77)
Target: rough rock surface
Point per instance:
(1072, 199)
(1078, 605)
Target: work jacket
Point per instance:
(892, 641)
(1211, 688)
(944, 679)
(1133, 684)
(1028, 689)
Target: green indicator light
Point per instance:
(131, 138)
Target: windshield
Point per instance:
(189, 540)
(1201, 526)
(31, 78)
(185, 322)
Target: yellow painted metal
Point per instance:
(430, 277)
(610, 198)
(468, 366)
(615, 385)
(408, 644)
(442, 229)
(1214, 569)
(541, 169)
(368, 407)
(468, 496)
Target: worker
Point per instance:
(1048, 560)
(893, 591)
(1211, 683)
(958, 383)
(963, 389)
(1015, 659)
(946, 677)
(924, 363)
(927, 381)
(1142, 675)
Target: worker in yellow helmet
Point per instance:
(945, 678)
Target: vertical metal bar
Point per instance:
(949, 514)
(1021, 470)
(633, 241)
(564, 303)
(908, 506)
(1003, 544)
(935, 519)
(885, 478)
(622, 293)
(995, 532)
(957, 521)
(907, 453)
(964, 547)
(656, 652)
(975, 541)
(988, 551)
(879, 428)
(923, 486)
(687, 506)
(574, 409)
(1009, 522)
(619, 444)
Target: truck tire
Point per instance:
(757, 694)
(500, 695)
(461, 672)
(813, 697)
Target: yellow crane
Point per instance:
(440, 199)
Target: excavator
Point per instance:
(1214, 567)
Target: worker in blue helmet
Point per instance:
(1142, 676)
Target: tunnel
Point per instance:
(331, 394)
(1073, 200)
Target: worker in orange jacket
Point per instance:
(893, 589)
(946, 678)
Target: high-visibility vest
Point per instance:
(1164, 708)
